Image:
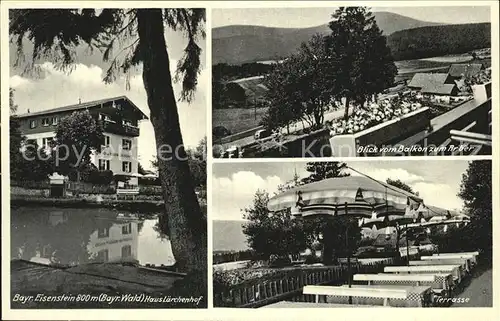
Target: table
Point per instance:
(427, 269)
(417, 296)
(301, 305)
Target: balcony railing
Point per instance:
(115, 128)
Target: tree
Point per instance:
(476, 192)
(77, 137)
(141, 32)
(331, 229)
(12, 105)
(299, 88)
(141, 169)
(362, 60)
(27, 162)
(272, 233)
(196, 158)
(323, 170)
(401, 185)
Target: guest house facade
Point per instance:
(120, 119)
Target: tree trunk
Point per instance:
(346, 111)
(187, 227)
(327, 245)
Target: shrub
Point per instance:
(312, 259)
(150, 190)
(279, 261)
(101, 177)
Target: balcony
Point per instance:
(119, 129)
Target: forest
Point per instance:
(408, 44)
(442, 40)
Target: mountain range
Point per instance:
(238, 44)
(228, 236)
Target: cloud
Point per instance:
(231, 194)
(17, 81)
(440, 195)
(393, 173)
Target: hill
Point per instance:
(439, 40)
(228, 236)
(238, 44)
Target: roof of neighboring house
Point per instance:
(253, 86)
(421, 80)
(81, 106)
(444, 89)
(467, 70)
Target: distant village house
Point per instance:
(247, 91)
(434, 84)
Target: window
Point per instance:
(102, 232)
(126, 251)
(127, 167)
(45, 122)
(126, 144)
(31, 142)
(106, 141)
(104, 165)
(127, 228)
(103, 256)
(105, 118)
(47, 142)
(55, 120)
(33, 123)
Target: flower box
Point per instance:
(482, 92)
(370, 140)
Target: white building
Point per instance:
(120, 119)
(115, 243)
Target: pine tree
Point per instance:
(363, 62)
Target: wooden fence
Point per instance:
(288, 283)
(88, 188)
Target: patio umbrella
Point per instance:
(355, 196)
(150, 175)
(136, 175)
(352, 195)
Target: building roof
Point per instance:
(253, 86)
(83, 105)
(421, 80)
(444, 89)
(467, 70)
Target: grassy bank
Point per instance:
(238, 119)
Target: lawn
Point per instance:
(238, 119)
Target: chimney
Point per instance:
(28, 110)
(79, 101)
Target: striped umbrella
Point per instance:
(358, 196)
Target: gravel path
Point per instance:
(479, 292)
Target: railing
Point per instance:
(31, 184)
(120, 129)
(89, 188)
(287, 284)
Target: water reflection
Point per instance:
(77, 236)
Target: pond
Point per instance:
(74, 236)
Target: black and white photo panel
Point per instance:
(351, 81)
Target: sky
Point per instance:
(234, 184)
(311, 17)
(54, 88)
